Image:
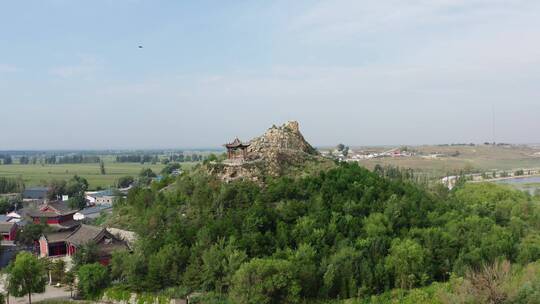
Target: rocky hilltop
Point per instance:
(283, 139)
(274, 153)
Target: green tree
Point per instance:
(27, 275)
(125, 181)
(130, 269)
(31, 233)
(102, 168)
(147, 172)
(165, 266)
(305, 266)
(220, 262)
(265, 281)
(340, 273)
(11, 185)
(406, 262)
(5, 205)
(377, 225)
(76, 185)
(529, 249)
(56, 188)
(93, 279)
(86, 254)
(8, 160)
(75, 189)
(169, 168)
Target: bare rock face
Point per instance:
(277, 140)
(274, 153)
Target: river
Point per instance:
(525, 183)
(520, 180)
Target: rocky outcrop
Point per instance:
(285, 139)
(274, 153)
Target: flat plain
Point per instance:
(469, 158)
(34, 175)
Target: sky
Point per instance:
(360, 72)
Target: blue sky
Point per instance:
(360, 72)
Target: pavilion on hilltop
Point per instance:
(237, 150)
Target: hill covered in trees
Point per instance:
(335, 234)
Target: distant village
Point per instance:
(344, 153)
(348, 154)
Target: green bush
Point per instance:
(265, 281)
(93, 279)
(118, 293)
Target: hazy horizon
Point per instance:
(221, 148)
(136, 74)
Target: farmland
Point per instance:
(37, 168)
(38, 174)
(477, 158)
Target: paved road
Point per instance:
(51, 293)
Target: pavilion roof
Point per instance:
(237, 143)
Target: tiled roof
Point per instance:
(236, 143)
(52, 209)
(107, 249)
(62, 207)
(35, 193)
(6, 227)
(103, 193)
(54, 237)
(85, 234)
(95, 209)
(67, 225)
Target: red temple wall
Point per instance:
(43, 247)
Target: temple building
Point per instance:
(55, 214)
(66, 243)
(8, 230)
(67, 235)
(237, 150)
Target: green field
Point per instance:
(34, 175)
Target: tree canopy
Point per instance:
(93, 278)
(26, 275)
(340, 233)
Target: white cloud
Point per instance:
(333, 21)
(86, 67)
(8, 68)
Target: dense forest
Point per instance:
(342, 233)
